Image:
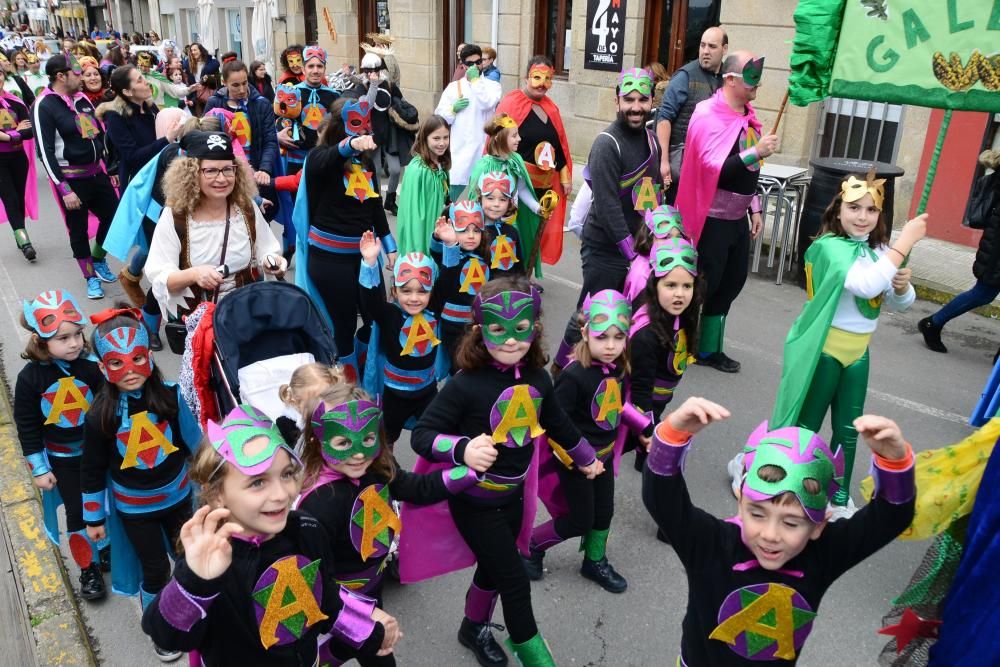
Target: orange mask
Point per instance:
(540, 75)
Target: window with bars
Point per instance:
(859, 130)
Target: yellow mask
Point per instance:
(540, 75)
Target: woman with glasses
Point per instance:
(211, 237)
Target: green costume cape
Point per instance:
(527, 221)
(421, 202)
(827, 262)
(161, 87)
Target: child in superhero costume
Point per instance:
(423, 192)
(53, 392)
(851, 270)
(662, 222)
(461, 248)
(755, 581)
(591, 391)
(351, 483)
(496, 196)
(488, 417)
(664, 333)
(138, 436)
(256, 585)
(401, 368)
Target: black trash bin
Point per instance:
(825, 184)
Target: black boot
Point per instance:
(92, 583)
(105, 557)
(533, 564)
(28, 251)
(932, 335)
(720, 361)
(661, 536)
(478, 638)
(602, 572)
(390, 203)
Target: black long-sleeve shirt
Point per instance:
(62, 140)
(331, 208)
(16, 112)
(228, 633)
(134, 138)
(50, 403)
(656, 369)
(594, 403)
(505, 253)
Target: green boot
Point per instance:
(532, 653)
(595, 564)
(24, 244)
(594, 543)
(710, 336)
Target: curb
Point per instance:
(59, 633)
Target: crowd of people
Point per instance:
(288, 529)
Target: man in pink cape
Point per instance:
(722, 157)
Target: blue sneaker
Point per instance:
(103, 272)
(94, 289)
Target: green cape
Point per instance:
(527, 221)
(827, 262)
(421, 202)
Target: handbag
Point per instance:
(176, 331)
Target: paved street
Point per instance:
(929, 394)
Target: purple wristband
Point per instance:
(755, 206)
(583, 454)
(181, 609)
(896, 487)
(460, 478)
(635, 419)
(64, 188)
(354, 623)
(627, 248)
(667, 459)
(14, 135)
(444, 446)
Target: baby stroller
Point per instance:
(263, 332)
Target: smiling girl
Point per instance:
(256, 584)
(423, 192)
(851, 270)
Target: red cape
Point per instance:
(713, 128)
(518, 105)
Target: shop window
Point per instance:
(554, 32)
(673, 28)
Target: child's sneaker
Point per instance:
(166, 655)
(94, 289)
(103, 272)
(92, 583)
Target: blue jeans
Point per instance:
(138, 261)
(979, 295)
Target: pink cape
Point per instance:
(712, 130)
(30, 187)
(430, 544)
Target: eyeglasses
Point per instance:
(212, 173)
(370, 70)
(471, 63)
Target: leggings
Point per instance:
(981, 294)
(394, 169)
(604, 267)
(398, 407)
(13, 178)
(591, 502)
(67, 472)
(99, 198)
(842, 389)
(491, 533)
(149, 537)
(724, 259)
(335, 277)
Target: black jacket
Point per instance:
(59, 141)
(263, 153)
(133, 137)
(987, 265)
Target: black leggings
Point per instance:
(591, 502)
(98, 197)
(604, 267)
(491, 533)
(13, 178)
(398, 407)
(335, 277)
(67, 472)
(724, 259)
(147, 537)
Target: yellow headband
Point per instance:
(505, 121)
(854, 189)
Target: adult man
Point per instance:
(253, 121)
(719, 176)
(545, 150)
(316, 101)
(467, 104)
(691, 84)
(625, 179)
(71, 146)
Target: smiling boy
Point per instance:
(755, 581)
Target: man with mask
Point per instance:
(467, 104)
(689, 85)
(722, 158)
(316, 101)
(545, 150)
(624, 175)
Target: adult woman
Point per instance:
(199, 61)
(15, 128)
(42, 50)
(211, 238)
(261, 80)
(20, 59)
(338, 202)
(94, 86)
(114, 57)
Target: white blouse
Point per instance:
(867, 279)
(205, 247)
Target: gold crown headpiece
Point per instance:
(504, 120)
(854, 188)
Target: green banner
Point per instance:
(940, 53)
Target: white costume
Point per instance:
(467, 135)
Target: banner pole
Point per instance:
(935, 157)
(781, 112)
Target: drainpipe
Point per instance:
(495, 22)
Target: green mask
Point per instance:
(753, 72)
(668, 254)
(608, 308)
(507, 310)
(635, 80)
(357, 421)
